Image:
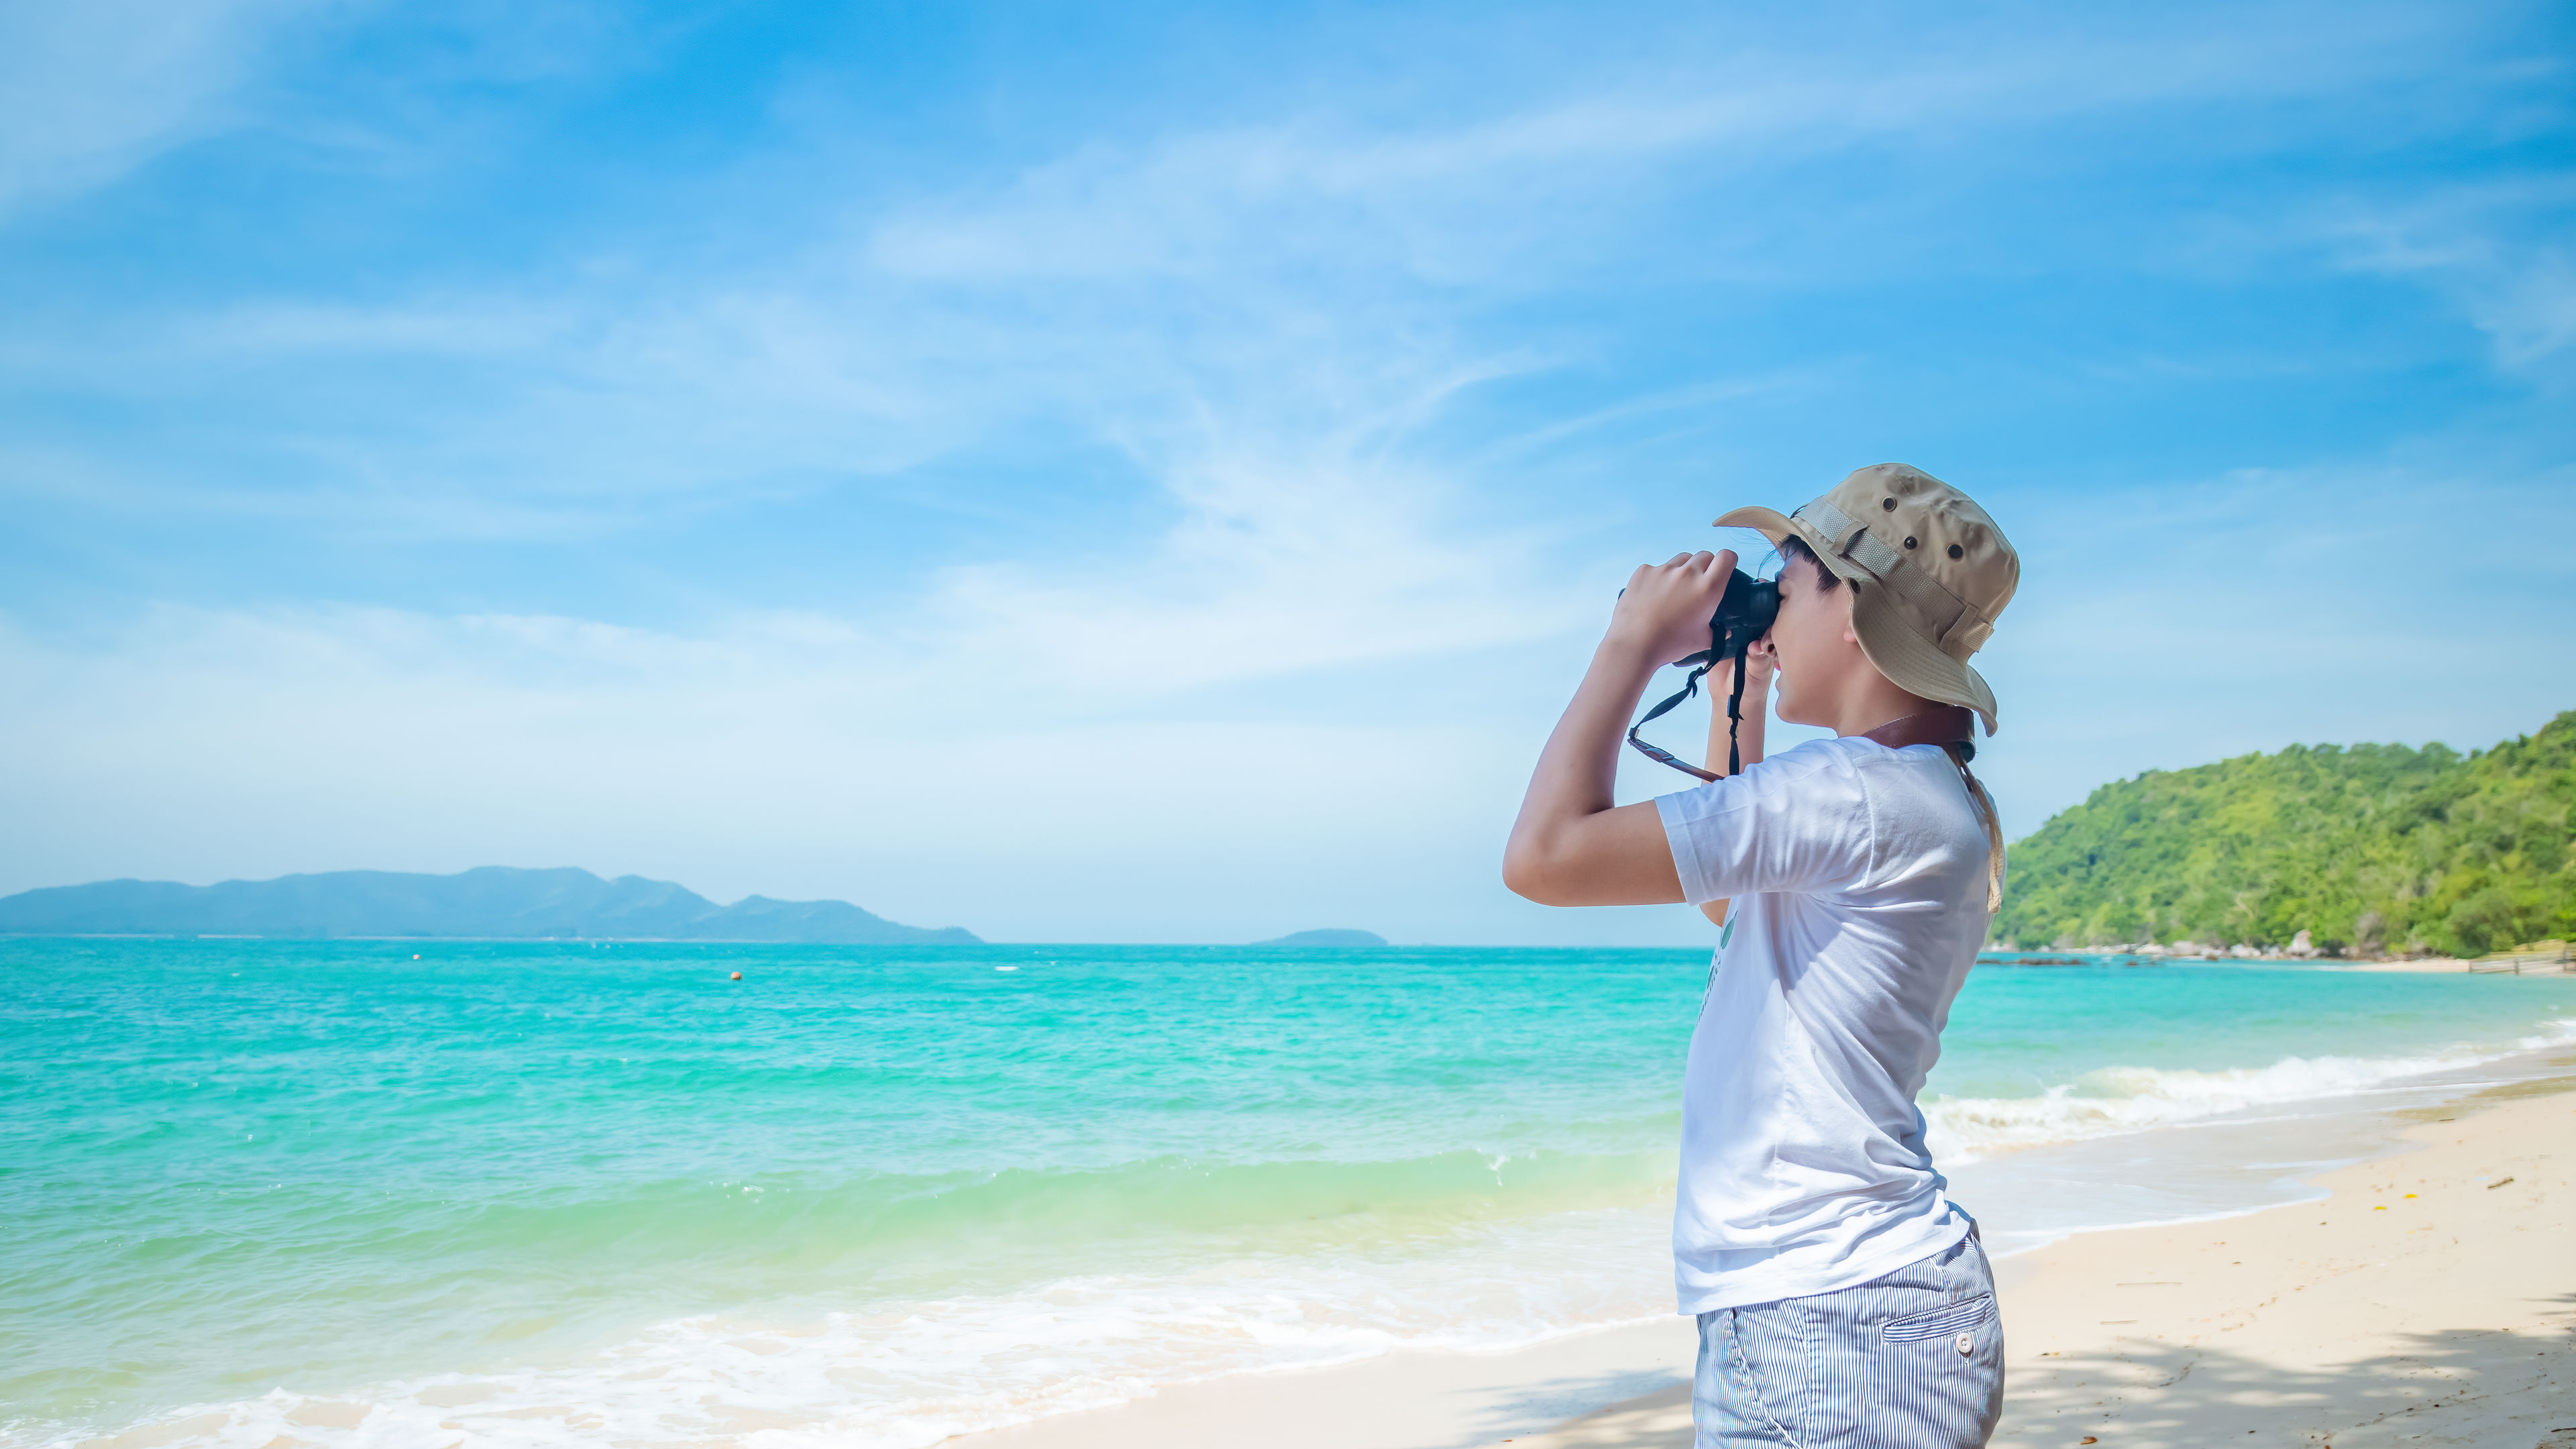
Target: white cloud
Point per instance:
(1187, 732)
(2498, 250)
(90, 90)
(1315, 699)
(2529, 305)
(2176, 623)
(1267, 277)
(1065, 725)
(1506, 196)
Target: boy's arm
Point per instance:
(1758, 667)
(1571, 845)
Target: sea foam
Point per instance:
(895, 1197)
(904, 1376)
(909, 1375)
(2116, 1100)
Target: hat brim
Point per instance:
(1910, 661)
(1775, 526)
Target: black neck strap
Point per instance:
(1662, 756)
(1947, 725)
(1734, 713)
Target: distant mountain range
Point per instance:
(492, 902)
(1329, 937)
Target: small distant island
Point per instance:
(491, 902)
(1326, 938)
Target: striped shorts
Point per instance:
(1912, 1359)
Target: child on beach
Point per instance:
(1842, 1298)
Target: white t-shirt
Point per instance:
(1858, 875)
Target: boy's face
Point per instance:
(1814, 643)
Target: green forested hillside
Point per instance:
(2373, 848)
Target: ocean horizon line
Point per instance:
(1989, 957)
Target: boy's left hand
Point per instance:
(1760, 663)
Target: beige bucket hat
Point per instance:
(1934, 572)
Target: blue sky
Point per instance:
(1153, 474)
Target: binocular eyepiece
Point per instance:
(1744, 614)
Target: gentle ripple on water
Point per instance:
(877, 1194)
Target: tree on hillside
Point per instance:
(2371, 848)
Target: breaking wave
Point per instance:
(2117, 1100)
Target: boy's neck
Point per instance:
(1875, 702)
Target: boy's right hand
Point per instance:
(1665, 612)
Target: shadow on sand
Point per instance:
(2486, 1388)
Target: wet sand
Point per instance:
(2429, 1299)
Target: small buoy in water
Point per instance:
(415, 955)
(737, 976)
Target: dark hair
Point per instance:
(1793, 548)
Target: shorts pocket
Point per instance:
(1939, 1322)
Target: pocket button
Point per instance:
(1966, 1343)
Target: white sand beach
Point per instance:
(2429, 1300)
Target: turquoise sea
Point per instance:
(555, 1193)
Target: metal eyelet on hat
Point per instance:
(1956, 551)
(1889, 504)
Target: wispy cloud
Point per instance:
(1490, 200)
(1034, 751)
(1290, 445)
(2499, 249)
(89, 91)
(1272, 277)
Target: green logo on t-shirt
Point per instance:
(1717, 958)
